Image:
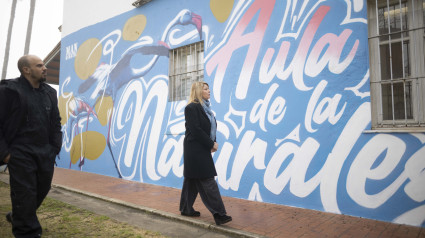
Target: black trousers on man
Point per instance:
(207, 189)
(31, 172)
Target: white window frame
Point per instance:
(416, 38)
(186, 66)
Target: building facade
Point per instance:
(319, 104)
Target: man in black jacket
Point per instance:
(30, 139)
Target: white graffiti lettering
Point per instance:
(318, 113)
(275, 112)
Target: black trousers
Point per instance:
(31, 172)
(207, 189)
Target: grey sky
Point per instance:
(45, 34)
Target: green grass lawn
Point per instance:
(59, 219)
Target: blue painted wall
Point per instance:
(290, 89)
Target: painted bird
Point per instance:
(108, 79)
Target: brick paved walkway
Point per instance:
(249, 217)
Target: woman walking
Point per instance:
(199, 169)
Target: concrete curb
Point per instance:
(171, 216)
(205, 225)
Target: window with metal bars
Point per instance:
(397, 69)
(186, 66)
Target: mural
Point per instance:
(290, 89)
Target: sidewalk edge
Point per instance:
(168, 215)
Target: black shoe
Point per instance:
(193, 214)
(221, 219)
(9, 217)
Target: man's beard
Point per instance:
(43, 79)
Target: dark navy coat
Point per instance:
(197, 145)
(14, 113)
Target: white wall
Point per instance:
(75, 17)
(45, 33)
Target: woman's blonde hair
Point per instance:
(196, 92)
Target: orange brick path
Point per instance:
(264, 219)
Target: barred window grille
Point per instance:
(186, 67)
(397, 56)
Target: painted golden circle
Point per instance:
(134, 27)
(221, 9)
(63, 101)
(88, 57)
(89, 144)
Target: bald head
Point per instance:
(24, 61)
(33, 69)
